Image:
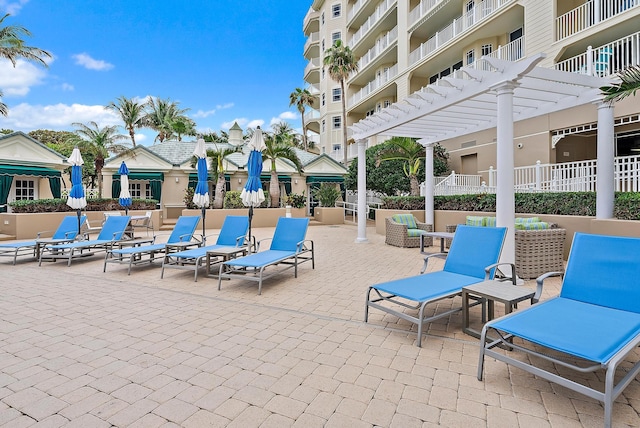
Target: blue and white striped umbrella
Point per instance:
(76, 199)
(252, 194)
(125, 196)
(201, 193)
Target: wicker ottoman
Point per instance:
(539, 251)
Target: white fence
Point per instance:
(589, 14)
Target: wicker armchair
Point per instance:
(397, 234)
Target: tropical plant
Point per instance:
(279, 145)
(327, 194)
(101, 142)
(214, 137)
(131, 112)
(217, 156)
(628, 85)
(410, 153)
(160, 115)
(341, 63)
(183, 126)
(302, 98)
(188, 198)
(296, 201)
(12, 47)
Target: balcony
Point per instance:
(380, 46)
(473, 18)
(312, 41)
(374, 85)
(606, 59)
(312, 71)
(421, 10)
(377, 15)
(355, 9)
(590, 14)
(311, 115)
(311, 21)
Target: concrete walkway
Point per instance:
(83, 348)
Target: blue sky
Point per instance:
(224, 60)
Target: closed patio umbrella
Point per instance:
(76, 199)
(252, 195)
(201, 193)
(125, 196)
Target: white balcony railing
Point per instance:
(313, 64)
(380, 80)
(590, 14)
(380, 11)
(480, 13)
(513, 51)
(312, 39)
(381, 44)
(311, 115)
(421, 10)
(606, 59)
(355, 9)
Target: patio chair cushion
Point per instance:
(521, 220)
(490, 221)
(407, 219)
(474, 220)
(532, 225)
(412, 233)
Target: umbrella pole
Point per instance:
(250, 218)
(79, 212)
(204, 214)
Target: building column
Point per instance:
(605, 152)
(362, 192)
(505, 193)
(429, 216)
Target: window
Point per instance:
(335, 36)
(336, 10)
(323, 99)
(487, 49)
(387, 103)
(323, 125)
(139, 190)
(25, 190)
(470, 57)
(323, 74)
(336, 94)
(337, 122)
(337, 147)
(322, 45)
(322, 19)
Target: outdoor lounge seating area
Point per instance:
(404, 230)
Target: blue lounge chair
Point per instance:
(593, 324)
(66, 232)
(233, 234)
(288, 247)
(181, 237)
(112, 231)
(472, 258)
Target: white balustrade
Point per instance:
(374, 85)
(589, 14)
(383, 43)
(381, 9)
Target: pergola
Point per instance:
(491, 93)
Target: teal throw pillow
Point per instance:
(408, 219)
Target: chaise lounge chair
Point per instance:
(181, 237)
(66, 232)
(288, 247)
(233, 235)
(473, 258)
(112, 232)
(593, 324)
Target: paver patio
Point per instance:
(83, 348)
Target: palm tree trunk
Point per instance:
(304, 133)
(344, 124)
(99, 163)
(218, 201)
(274, 189)
(415, 186)
(132, 135)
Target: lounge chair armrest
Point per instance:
(426, 260)
(260, 242)
(397, 227)
(513, 278)
(300, 247)
(540, 284)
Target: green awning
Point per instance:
(281, 178)
(325, 179)
(150, 176)
(36, 171)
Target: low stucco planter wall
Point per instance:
(329, 215)
(262, 217)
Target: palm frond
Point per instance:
(629, 84)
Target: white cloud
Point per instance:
(140, 137)
(242, 121)
(86, 61)
(12, 7)
(255, 123)
(67, 87)
(18, 81)
(288, 115)
(58, 117)
(203, 114)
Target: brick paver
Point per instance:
(79, 347)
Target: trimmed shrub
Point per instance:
(232, 200)
(60, 205)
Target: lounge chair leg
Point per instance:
(366, 305)
(483, 343)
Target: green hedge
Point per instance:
(626, 205)
(60, 205)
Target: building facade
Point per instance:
(403, 46)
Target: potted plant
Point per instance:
(296, 204)
(327, 194)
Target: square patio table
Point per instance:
(443, 236)
(226, 253)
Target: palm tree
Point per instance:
(629, 84)
(341, 63)
(160, 115)
(101, 142)
(302, 98)
(12, 47)
(131, 112)
(279, 146)
(182, 125)
(409, 151)
(217, 156)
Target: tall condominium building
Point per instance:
(404, 45)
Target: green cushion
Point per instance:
(490, 221)
(411, 233)
(538, 225)
(407, 219)
(474, 220)
(520, 220)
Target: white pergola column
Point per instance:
(605, 152)
(362, 192)
(429, 216)
(505, 195)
